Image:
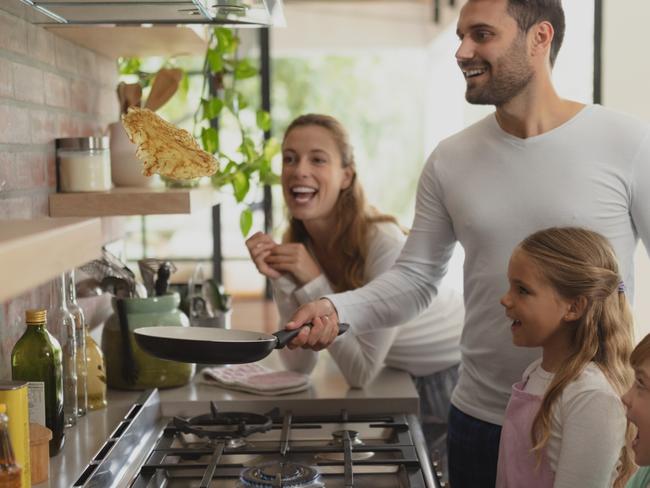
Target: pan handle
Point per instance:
(286, 336)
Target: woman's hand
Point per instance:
(260, 246)
(294, 258)
(324, 329)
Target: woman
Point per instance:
(336, 242)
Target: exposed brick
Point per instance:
(87, 64)
(14, 125)
(40, 205)
(45, 126)
(6, 79)
(28, 84)
(16, 208)
(13, 33)
(7, 171)
(40, 44)
(65, 124)
(50, 168)
(57, 90)
(107, 70)
(80, 96)
(31, 170)
(65, 54)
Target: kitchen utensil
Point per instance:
(162, 278)
(213, 346)
(132, 95)
(129, 367)
(149, 269)
(163, 88)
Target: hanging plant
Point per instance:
(250, 167)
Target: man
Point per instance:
(538, 161)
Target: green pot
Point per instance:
(152, 372)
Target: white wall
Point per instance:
(625, 88)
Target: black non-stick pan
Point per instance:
(210, 345)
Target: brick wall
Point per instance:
(49, 88)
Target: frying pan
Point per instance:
(210, 345)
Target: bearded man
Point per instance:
(538, 161)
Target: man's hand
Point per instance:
(260, 246)
(294, 258)
(324, 329)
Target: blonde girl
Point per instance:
(565, 425)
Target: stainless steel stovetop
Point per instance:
(260, 448)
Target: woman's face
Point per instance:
(312, 173)
(637, 401)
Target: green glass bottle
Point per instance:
(36, 357)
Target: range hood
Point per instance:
(239, 13)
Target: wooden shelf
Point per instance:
(34, 251)
(115, 41)
(131, 201)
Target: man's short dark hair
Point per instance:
(527, 13)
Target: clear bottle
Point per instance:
(96, 375)
(80, 343)
(10, 472)
(61, 318)
(37, 357)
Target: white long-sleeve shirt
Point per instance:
(488, 190)
(425, 345)
(587, 428)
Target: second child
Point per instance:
(565, 424)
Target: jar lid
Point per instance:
(35, 316)
(82, 143)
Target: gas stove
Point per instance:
(273, 448)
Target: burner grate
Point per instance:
(289, 475)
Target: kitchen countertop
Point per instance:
(329, 392)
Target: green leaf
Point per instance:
(247, 148)
(216, 61)
(270, 179)
(242, 103)
(263, 120)
(244, 69)
(226, 40)
(129, 66)
(245, 221)
(229, 97)
(271, 148)
(210, 139)
(241, 186)
(211, 108)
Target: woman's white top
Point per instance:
(425, 345)
(587, 427)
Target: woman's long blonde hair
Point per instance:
(581, 263)
(354, 217)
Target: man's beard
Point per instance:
(514, 74)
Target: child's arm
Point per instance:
(592, 434)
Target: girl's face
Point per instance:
(537, 311)
(637, 401)
(312, 173)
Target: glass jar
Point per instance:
(83, 164)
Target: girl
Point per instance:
(335, 242)
(637, 401)
(565, 424)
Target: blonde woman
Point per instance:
(565, 424)
(336, 242)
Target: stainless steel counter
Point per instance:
(391, 390)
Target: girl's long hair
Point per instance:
(581, 263)
(354, 217)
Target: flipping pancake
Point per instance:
(164, 148)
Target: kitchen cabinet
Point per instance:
(131, 201)
(34, 251)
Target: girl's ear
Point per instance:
(576, 309)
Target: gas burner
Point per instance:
(284, 475)
(338, 437)
(233, 426)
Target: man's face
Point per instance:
(493, 54)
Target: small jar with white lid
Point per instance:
(83, 164)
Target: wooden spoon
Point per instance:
(164, 86)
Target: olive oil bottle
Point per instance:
(36, 357)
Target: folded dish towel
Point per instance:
(255, 378)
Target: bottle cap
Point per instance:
(3, 408)
(36, 316)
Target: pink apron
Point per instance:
(517, 466)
